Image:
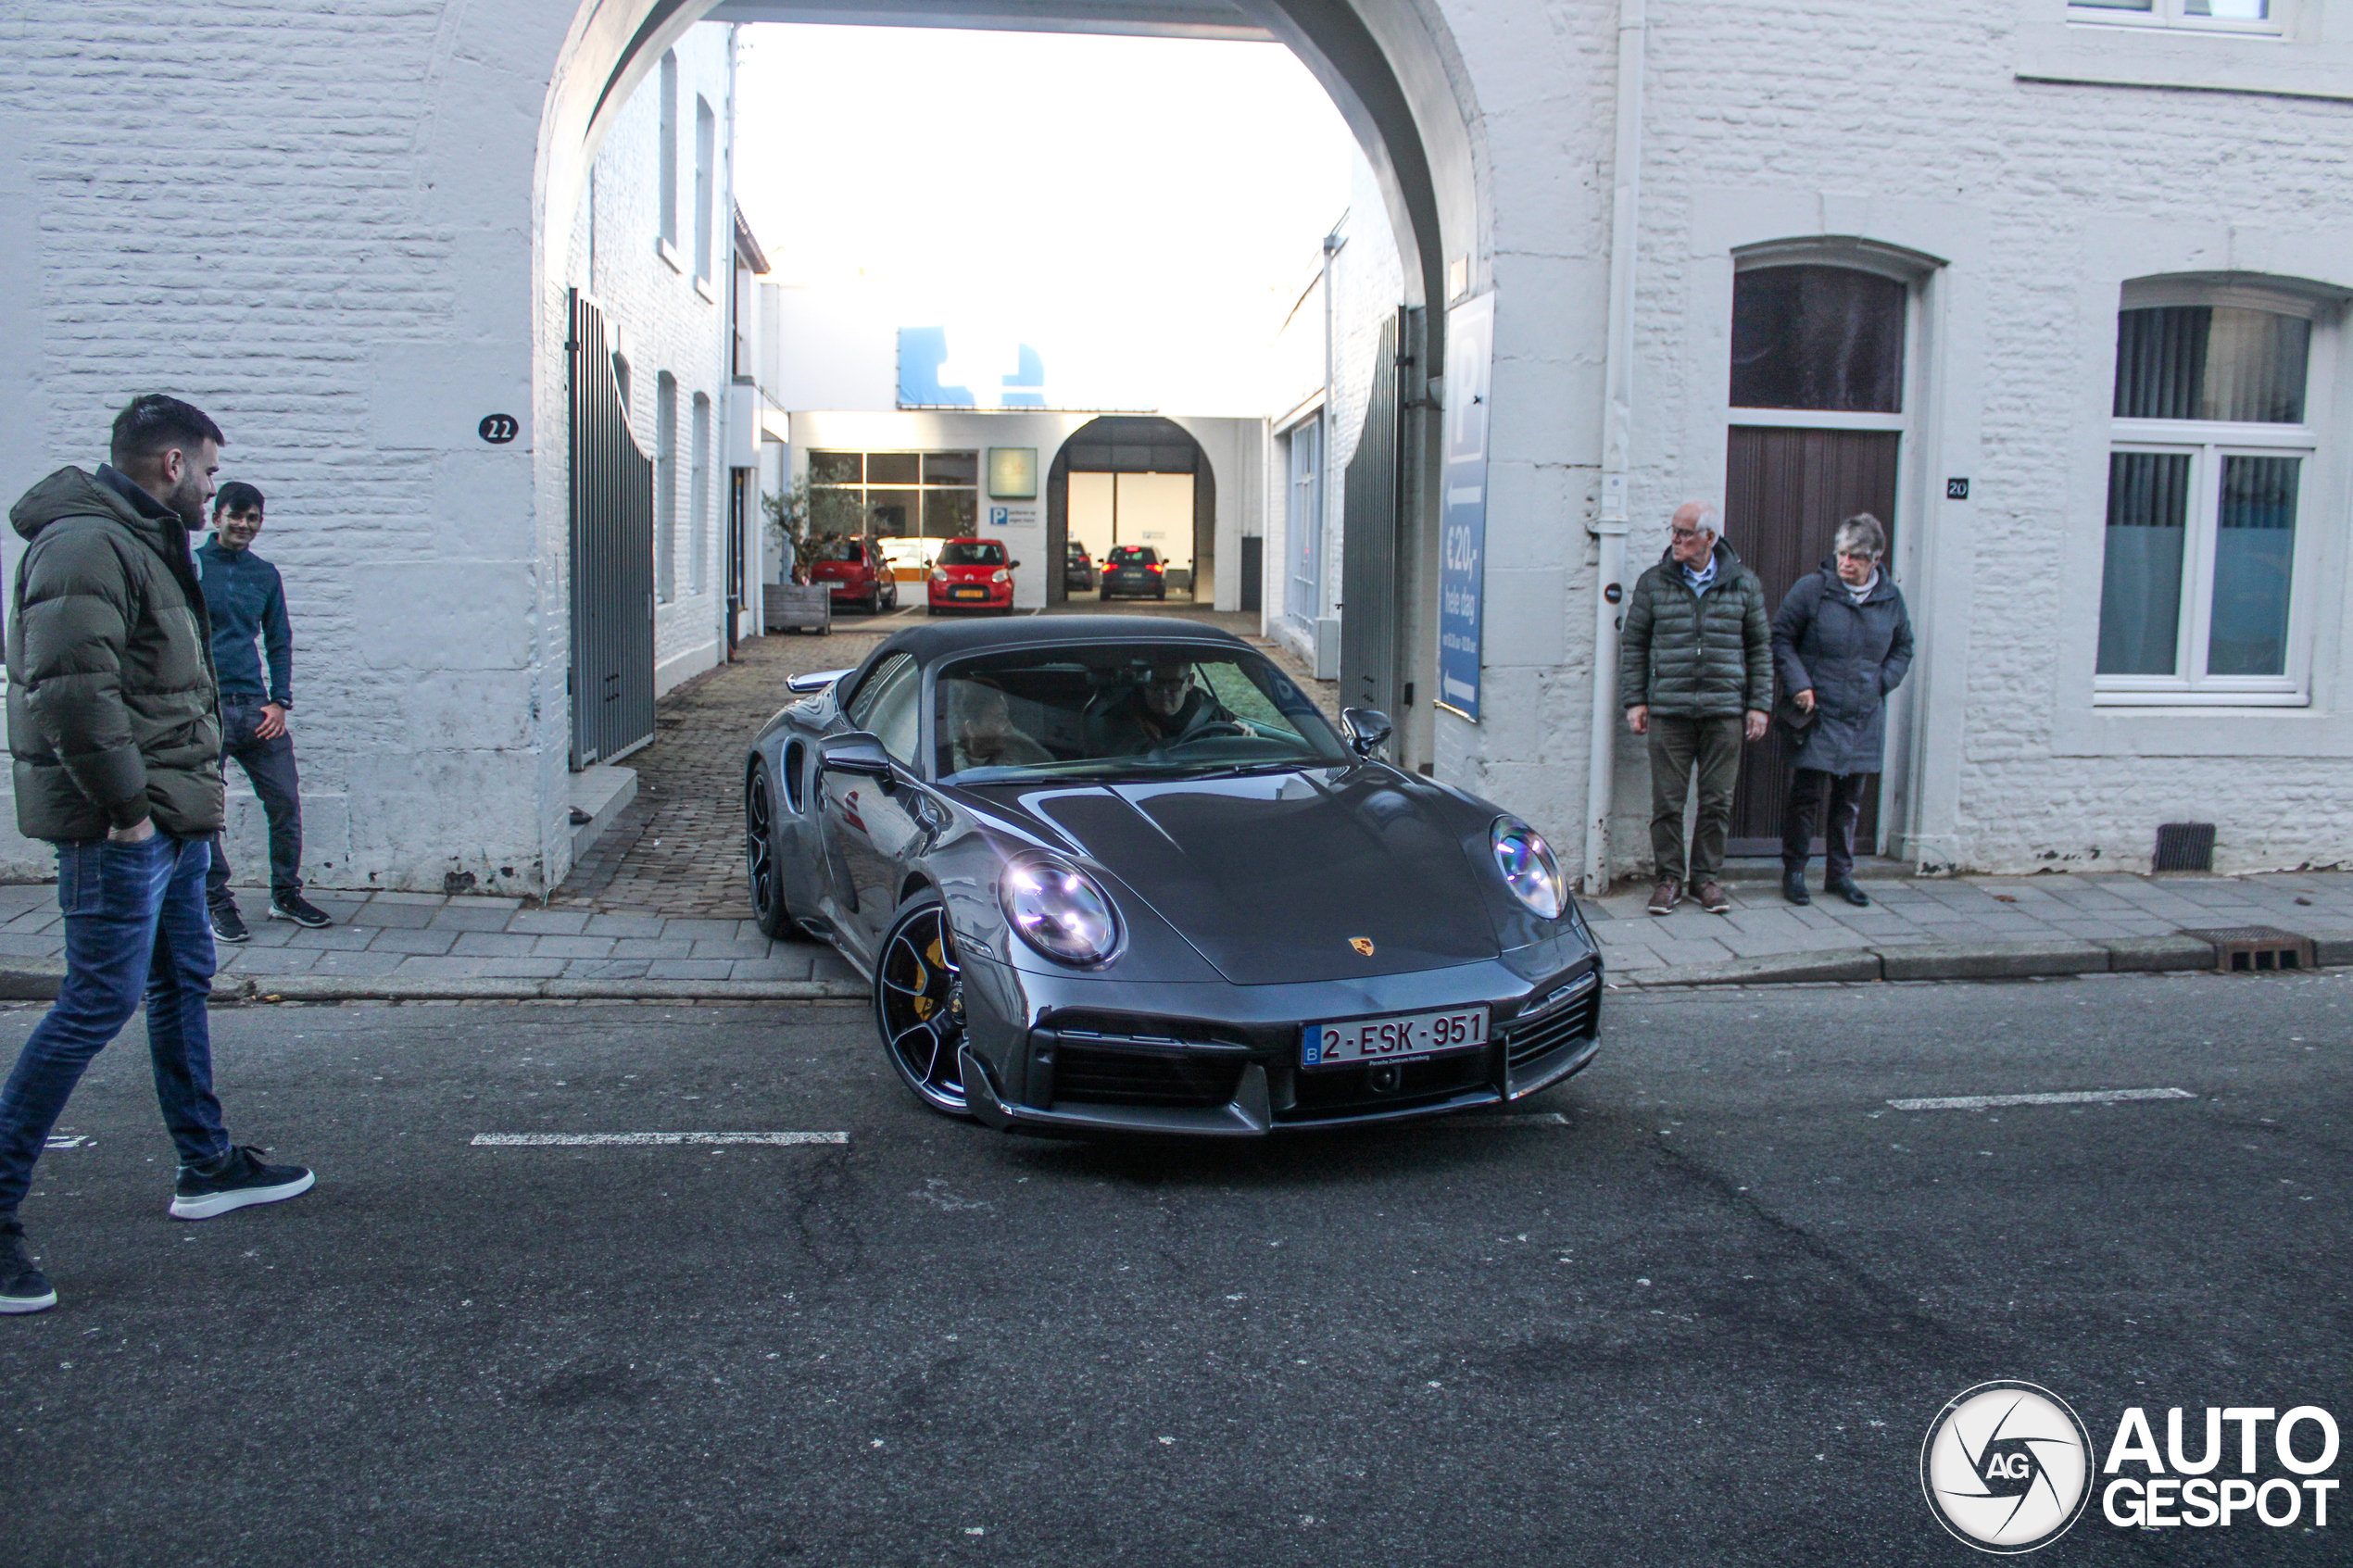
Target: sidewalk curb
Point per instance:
(1965, 960)
(36, 980)
(38, 983)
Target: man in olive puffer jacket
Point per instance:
(114, 724)
(1696, 672)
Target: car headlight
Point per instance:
(1001, 575)
(1058, 909)
(1527, 866)
(938, 575)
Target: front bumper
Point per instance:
(943, 595)
(1191, 1067)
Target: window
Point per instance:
(699, 492)
(1113, 710)
(982, 552)
(665, 486)
(2226, 16)
(2206, 473)
(669, 150)
(706, 156)
(1303, 520)
(895, 494)
(885, 706)
(1824, 338)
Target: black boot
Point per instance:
(1845, 887)
(1793, 885)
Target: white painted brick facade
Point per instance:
(1366, 280)
(666, 325)
(321, 221)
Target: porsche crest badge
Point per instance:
(1364, 945)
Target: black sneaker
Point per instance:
(238, 1180)
(299, 909)
(227, 925)
(23, 1288)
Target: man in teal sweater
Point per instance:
(247, 603)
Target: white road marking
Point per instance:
(65, 1140)
(2071, 1096)
(638, 1140)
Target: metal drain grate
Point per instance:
(2184, 847)
(2252, 949)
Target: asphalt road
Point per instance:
(1698, 1306)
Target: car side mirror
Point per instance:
(1014, 566)
(859, 755)
(1367, 727)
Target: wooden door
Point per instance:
(1785, 493)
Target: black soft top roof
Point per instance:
(931, 642)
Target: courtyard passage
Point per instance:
(1696, 1306)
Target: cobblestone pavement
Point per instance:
(677, 848)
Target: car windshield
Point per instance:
(971, 552)
(834, 549)
(1130, 554)
(1107, 711)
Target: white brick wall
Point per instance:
(1366, 279)
(319, 222)
(665, 324)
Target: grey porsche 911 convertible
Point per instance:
(1109, 874)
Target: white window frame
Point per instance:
(2210, 441)
(2173, 16)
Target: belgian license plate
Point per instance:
(1394, 1038)
(972, 593)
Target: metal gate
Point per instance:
(1371, 574)
(612, 555)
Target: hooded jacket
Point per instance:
(113, 706)
(1694, 656)
(1850, 655)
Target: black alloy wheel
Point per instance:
(919, 1005)
(761, 871)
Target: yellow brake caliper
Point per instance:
(924, 1004)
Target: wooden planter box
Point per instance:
(794, 607)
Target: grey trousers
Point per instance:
(1679, 748)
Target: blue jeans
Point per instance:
(134, 924)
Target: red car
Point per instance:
(973, 574)
(855, 571)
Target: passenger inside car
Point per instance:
(982, 731)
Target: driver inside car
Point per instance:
(982, 731)
(1164, 707)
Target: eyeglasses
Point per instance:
(1684, 532)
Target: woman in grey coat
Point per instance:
(1841, 642)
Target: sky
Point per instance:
(1151, 206)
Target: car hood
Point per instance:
(1271, 877)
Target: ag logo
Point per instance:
(2007, 1467)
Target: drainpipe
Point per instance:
(1617, 419)
(1332, 244)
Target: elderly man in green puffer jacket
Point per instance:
(1696, 672)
